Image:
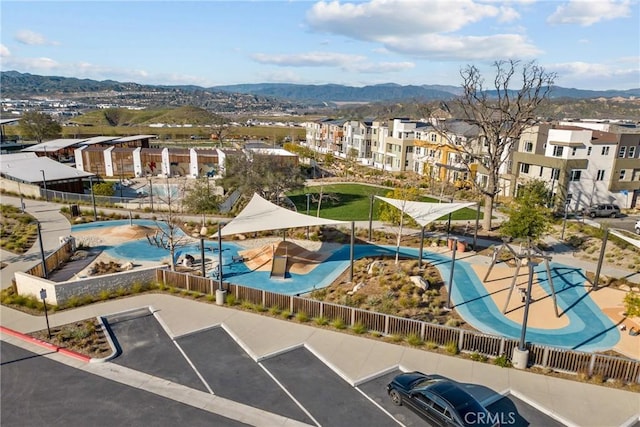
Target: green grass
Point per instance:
(353, 202)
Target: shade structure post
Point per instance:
(601, 258)
(453, 265)
(370, 217)
(421, 247)
(351, 250)
(220, 225)
(475, 232)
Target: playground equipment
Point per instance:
(279, 264)
(529, 254)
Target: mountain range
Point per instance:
(22, 85)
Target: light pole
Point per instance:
(523, 333)
(44, 259)
(43, 296)
(93, 199)
(121, 176)
(220, 293)
(151, 193)
(21, 200)
(44, 184)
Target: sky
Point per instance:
(589, 44)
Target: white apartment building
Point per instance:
(583, 166)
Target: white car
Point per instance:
(638, 226)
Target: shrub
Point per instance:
(137, 287)
(338, 323)
(285, 314)
(431, 345)
(478, 357)
(359, 328)
(415, 340)
(502, 361)
(230, 299)
(302, 317)
(452, 347)
(274, 310)
(321, 321)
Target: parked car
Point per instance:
(439, 401)
(603, 210)
(638, 226)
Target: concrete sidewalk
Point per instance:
(53, 226)
(357, 358)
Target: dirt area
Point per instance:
(112, 235)
(402, 289)
(85, 337)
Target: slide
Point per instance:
(279, 267)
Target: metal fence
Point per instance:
(558, 359)
(65, 197)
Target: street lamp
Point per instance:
(44, 259)
(43, 296)
(44, 183)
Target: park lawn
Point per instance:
(353, 202)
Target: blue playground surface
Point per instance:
(588, 330)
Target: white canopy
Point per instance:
(261, 215)
(423, 212)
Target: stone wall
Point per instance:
(60, 293)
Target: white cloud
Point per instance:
(379, 18)
(380, 67)
(589, 12)
(423, 29)
(4, 51)
(465, 47)
(311, 59)
(621, 74)
(32, 38)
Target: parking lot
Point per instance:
(293, 383)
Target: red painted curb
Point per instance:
(44, 344)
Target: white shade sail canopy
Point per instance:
(262, 215)
(423, 212)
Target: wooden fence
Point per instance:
(53, 261)
(558, 359)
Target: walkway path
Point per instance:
(352, 357)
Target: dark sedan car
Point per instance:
(438, 400)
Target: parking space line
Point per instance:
(379, 407)
(289, 394)
(193, 367)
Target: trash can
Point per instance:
(462, 245)
(75, 211)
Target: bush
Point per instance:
(502, 361)
(478, 357)
(359, 328)
(230, 299)
(415, 340)
(321, 321)
(274, 310)
(302, 317)
(338, 323)
(452, 347)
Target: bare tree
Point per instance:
(220, 128)
(169, 235)
(500, 114)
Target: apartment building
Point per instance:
(583, 165)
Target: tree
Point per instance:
(220, 128)
(200, 199)
(39, 126)
(266, 175)
(632, 304)
(528, 214)
(104, 189)
(169, 235)
(501, 114)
